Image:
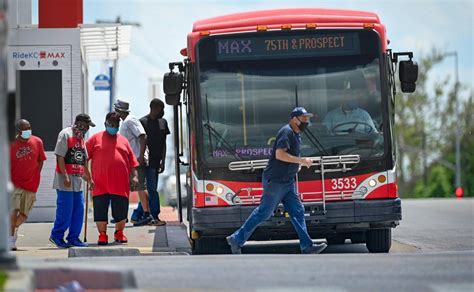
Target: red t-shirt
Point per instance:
(24, 163)
(112, 162)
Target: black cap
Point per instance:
(85, 118)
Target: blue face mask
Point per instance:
(111, 131)
(26, 134)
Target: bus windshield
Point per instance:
(245, 100)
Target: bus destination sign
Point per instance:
(335, 44)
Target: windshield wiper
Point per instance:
(216, 134)
(222, 140)
(315, 141)
(311, 137)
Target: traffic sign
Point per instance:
(101, 82)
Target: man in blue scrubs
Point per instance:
(279, 185)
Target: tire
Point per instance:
(358, 237)
(379, 240)
(336, 239)
(210, 245)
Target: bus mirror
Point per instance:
(172, 87)
(172, 99)
(408, 87)
(408, 74)
(408, 71)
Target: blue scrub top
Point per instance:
(281, 171)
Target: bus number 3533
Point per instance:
(343, 183)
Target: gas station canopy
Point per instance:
(105, 41)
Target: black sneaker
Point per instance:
(234, 247)
(315, 249)
(143, 221)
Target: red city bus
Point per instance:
(242, 75)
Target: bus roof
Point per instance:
(285, 16)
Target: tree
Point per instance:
(467, 149)
(425, 124)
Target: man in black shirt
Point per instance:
(156, 129)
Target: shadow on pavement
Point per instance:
(294, 248)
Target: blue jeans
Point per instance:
(273, 194)
(69, 215)
(153, 196)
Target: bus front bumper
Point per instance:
(342, 216)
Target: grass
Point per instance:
(3, 279)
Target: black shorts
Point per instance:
(101, 207)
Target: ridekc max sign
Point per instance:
(37, 55)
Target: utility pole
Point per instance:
(425, 158)
(458, 122)
(113, 71)
(7, 260)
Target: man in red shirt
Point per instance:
(26, 161)
(112, 163)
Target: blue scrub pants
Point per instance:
(69, 215)
(273, 194)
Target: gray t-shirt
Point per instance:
(131, 129)
(77, 154)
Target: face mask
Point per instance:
(303, 125)
(80, 130)
(112, 131)
(26, 134)
(161, 114)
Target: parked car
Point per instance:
(169, 190)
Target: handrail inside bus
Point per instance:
(341, 160)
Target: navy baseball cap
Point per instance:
(300, 111)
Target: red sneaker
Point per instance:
(103, 239)
(120, 237)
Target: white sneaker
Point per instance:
(12, 242)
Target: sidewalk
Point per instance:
(33, 243)
(33, 238)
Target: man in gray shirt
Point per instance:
(71, 168)
(133, 130)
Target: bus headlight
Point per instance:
(236, 200)
(372, 182)
(219, 190)
(363, 190)
(228, 196)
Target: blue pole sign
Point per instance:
(101, 82)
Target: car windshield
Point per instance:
(245, 102)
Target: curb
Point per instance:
(22, 280)
(102, 252)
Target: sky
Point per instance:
(417, 25)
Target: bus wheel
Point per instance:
(336, 239)
(358, 237)
(379, 240)
(210, 245)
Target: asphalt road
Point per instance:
(433, 250)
